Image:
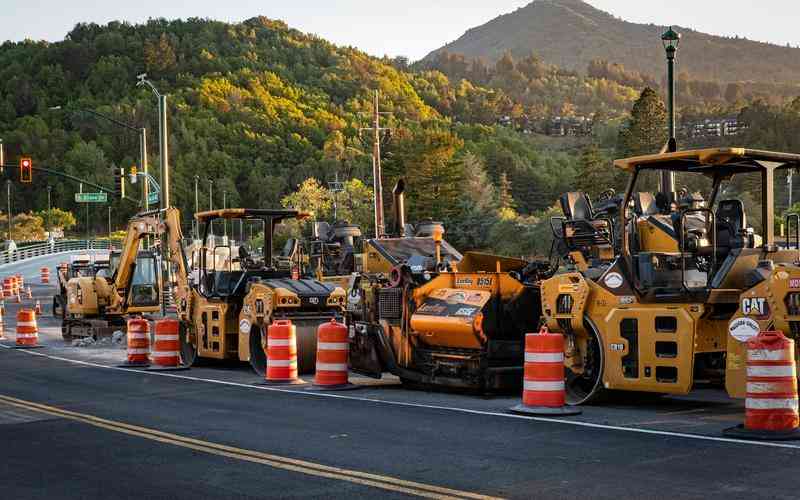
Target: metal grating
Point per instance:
(390, 303)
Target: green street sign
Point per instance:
(152, 198)
(91, 198)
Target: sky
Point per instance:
(400, 27)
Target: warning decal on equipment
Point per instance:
(743, 329)
(244, 326)
(613, 280)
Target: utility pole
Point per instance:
(224, 220)
(211, 205)
(49, 232)
(8, 199)
(109, 222)
(376, 165)
(335, 187)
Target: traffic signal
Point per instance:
(133, 174)
(119, 182)
(25, 170)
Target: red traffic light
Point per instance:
(25, 170)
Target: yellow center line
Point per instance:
(276, 461)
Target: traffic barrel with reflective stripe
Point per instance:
(166, 353)
(771, 404)
(20, 282)
(8, 287)
(543, 391)
(138, 333)
(38, 308)
(281, 353)
(29, 292)
(45, 275)
(333, 348)
(27, 330)
(2, 323)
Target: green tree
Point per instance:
(645, 132)
(595, 173)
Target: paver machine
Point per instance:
(97, 303)
(238, 292)
(691, 283)
(420, 310)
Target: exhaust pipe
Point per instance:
(399, 208)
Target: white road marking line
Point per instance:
(575, 423)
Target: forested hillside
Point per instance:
(258, 108)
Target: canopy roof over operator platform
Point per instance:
(711, 160)
(251, 213)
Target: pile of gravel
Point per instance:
(84, 342)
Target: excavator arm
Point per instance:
(171, 227)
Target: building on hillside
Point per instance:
(714, 127)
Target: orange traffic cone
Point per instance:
(27, 330)
(332, 351)
(543, 390)
(166, 353)
(771, 411)
(281, 354)
(29, 292)
(38, 308)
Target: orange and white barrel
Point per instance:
(29, 292)
(38, 308)
(8, 287)
(138, 341)
(44, 275)
(771, 400)
(2, 325)
(27, 330)
(166, 343)
(543, 390)
(281, 352)
(20, 282)
(332, 352)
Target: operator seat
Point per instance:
(576, 205)
(644, 203)
(731, 225)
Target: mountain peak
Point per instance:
(572, 33)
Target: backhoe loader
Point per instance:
(96, 303)
(691, 283)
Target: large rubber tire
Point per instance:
(188, 350)
(258, 358)
(587, 387)
(307, 348)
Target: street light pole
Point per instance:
(670, 39)
(224, 220)
(145, 168)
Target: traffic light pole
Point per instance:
(8, 199)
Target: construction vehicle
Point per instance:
(691, 283)
(420, 310)
(78, 265)
(237, 292)
(97, 303)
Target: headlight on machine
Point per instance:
(336, 300)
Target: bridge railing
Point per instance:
(38, 249)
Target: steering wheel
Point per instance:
(606, 195)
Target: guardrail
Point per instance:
(49, 248)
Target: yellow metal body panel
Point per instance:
(653, 238)
(451, 317)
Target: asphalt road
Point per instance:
(71, 426)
